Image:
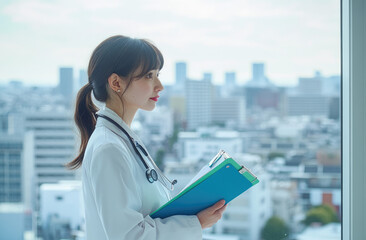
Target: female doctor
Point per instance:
(121, 183)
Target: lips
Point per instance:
(155, 98)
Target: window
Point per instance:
(353, 119)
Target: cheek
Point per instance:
(141, 92)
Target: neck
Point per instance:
(127, 115)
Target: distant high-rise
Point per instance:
(199, 95)
(83, 77)
(66, 81)
(207, 76)
(11, 169)
(230, 78)
(180, 73)
(311, 98)
(50, 144)
(310, 86)
(258, 72)
(259, 91)
(228, 110)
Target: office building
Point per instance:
(199, 96)
(258, 74)
(228, 111)
(260, 92)
(205, 143)
(310, 86)
(315, 96)
(66, 84)
(159, 123)
(50, 144)
(83, 78)
(15, 220)
(12, 171)
(62, 208)
(180, 73)
(310, 105)
(230, 79)
(207, 76)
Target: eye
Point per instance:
(149, 75)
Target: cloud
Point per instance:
(292, 37)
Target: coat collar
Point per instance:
(113, 115)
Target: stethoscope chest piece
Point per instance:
(151, 175)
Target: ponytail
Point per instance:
(85, 121)
(123, 56)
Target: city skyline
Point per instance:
(292, 38)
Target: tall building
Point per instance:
(11, 169)
(311, 98)
(229, 111)
(310, 86)
(83, 78)
(50, 144)
(260, 92)
(311, 105)
(15, 188)
(258, 72)
(230, 78)
(180, 73)
(66, 84)
(199, 96)
(207, 76)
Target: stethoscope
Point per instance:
(151, 174)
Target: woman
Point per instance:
(119, 179)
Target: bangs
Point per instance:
(149, 58)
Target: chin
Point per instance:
(148, 108)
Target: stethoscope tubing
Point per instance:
(151, 174)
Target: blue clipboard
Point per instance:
(225, 181)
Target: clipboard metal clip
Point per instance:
(244, 169)
(216, 158)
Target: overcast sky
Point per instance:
(292, 37)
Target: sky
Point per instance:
(294, 38)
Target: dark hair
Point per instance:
(123, 56)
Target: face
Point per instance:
(143, 93)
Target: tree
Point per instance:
(273, 155)
(322, 214)
(275, 229)
(174, 138)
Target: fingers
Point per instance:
(211, 215)
(218, 205)
(222, 209)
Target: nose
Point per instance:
(159, 87)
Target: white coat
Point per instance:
(118, 198)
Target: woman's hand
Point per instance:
(211, 215)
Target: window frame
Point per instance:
(353, 68)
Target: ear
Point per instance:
(115, 83)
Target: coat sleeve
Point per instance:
(118, 199)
